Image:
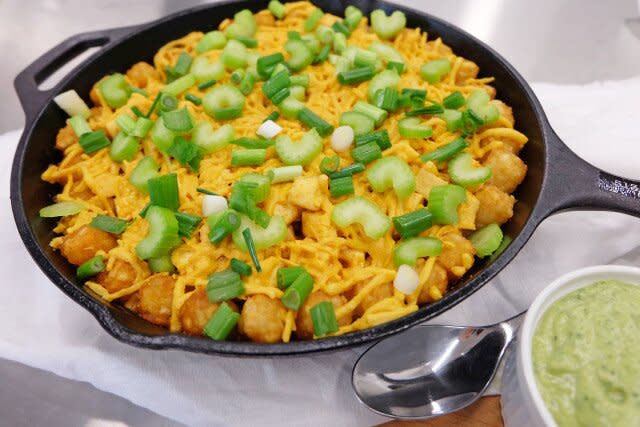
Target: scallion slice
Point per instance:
(94, 141)
(356, 75)
(90, 267)
(380, 137)
(341, 186)
(316, 122)
(221, 323)
(285, 173)
(296, 294)
(446, 151)
(65, 208)
(249, 157)
(366, 153)
(224, 285)
(413, 223)
(109, 224)
(248, 240)
(186, 152)
(285, 276)
(163, 191)
(323, 317)
(187, 224)
(240, 267)
(313, 20)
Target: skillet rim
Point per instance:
(240, 348)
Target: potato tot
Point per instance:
(65, 138)
(378, 293)
(496, 206)
(121, 276)
(153, 302)
(507, 170)
(140, 74)
(262, 319)
(457, 254)
(82, 244)
(437, 278)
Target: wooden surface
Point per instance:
(484, 413)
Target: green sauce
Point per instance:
(586, 356)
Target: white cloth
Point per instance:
(41, 327)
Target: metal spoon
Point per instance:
(431, 370)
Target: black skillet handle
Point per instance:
(26, 83)
(574, 184)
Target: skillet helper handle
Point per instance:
(575, 184)
(26, 83)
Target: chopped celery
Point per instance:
(393, 172)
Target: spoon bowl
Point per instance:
(431, 370)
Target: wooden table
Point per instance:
(484, 413)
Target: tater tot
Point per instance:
(140, 74)
(507, 170)
(65, 138)
(262, 319)
(505, 111)
(468, 70)
(82, 244)
(197, 310)
(121, 276)
(304, 324)
(154, 299)
(457, 254)
(437, 278)
(496, 206)
(378, 293)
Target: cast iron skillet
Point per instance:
(557, 180)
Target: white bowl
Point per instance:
(522, 404)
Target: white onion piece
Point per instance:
(211, 205)
(72, 104)
(406, 280)
(269, 129)
(342, 138)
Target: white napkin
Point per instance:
(41, 327)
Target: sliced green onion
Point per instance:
(211, 40)
(464, 173)
(207, 192)
(225, 224)
(138, 91)
(224, 285)
(168, 103)
(380, 137)
(299, 153)
(266, 64)
(178, 120)
(355, 75)
(433, 70)
(260, 191)
(183, 64)
(221, 323)
(339, 46)
(61, 209)
(366, 153)
(352, 17)
(397, 66)
(377, 114)
(246, 85)
(444, 201)
(209, 140)
(252, 143)
(206, 85)
(196, 100)
(486, 240)
(316, 122)
(163, 191)
(115, 90)
(161, 264)
(146, 169)
(391, 172)
(79, 125)
(224, 102)
(323, 317)
(180, 85)
(313, 20)
(247, 41)
(361, 211)
(90, 267)
(285, 173)
(237, 75)
(154, 104)
(324, 34)
(322, 55)
(281, 67)
(248, 240)
(285, 276)
(142, 127)
(94, 141)
(234, 55)
(187, 224)
(386, 78)
(300, 80)
(408, 252)
(249, 157)
(186, 153)
(240, 267)
(350, 170)
(144, 210)
(431, 109)
(273, 116)
(329, 165)
(109, 224)
(276, 83)
(446, 151)
(124, 147)
(412, 223)
(162, 236)
(454, 100)
(340, 27)
(281, 95)
(341, 186)
(387, 99)
(410, 127)
(365, 58)
(294, 35)
(296, 294)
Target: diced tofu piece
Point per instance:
(425, 181)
